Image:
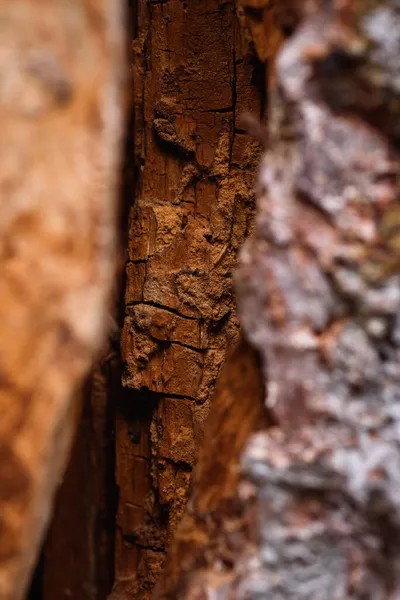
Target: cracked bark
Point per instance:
(193, 206)
(316, 507)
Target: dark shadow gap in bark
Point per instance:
(96, 430)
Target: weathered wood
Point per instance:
(193, 205)
(60, 119)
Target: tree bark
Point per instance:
(194, 74)
(60, 127)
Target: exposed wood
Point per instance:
(193, 205)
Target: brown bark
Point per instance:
(317, 501)
(193, 75)
(60, 120)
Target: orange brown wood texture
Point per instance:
(193, 205)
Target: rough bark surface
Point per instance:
(318, 291)
(193, 75)
(60, 124)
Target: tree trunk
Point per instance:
(212, 518)
(193, 203)
(60, 127)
